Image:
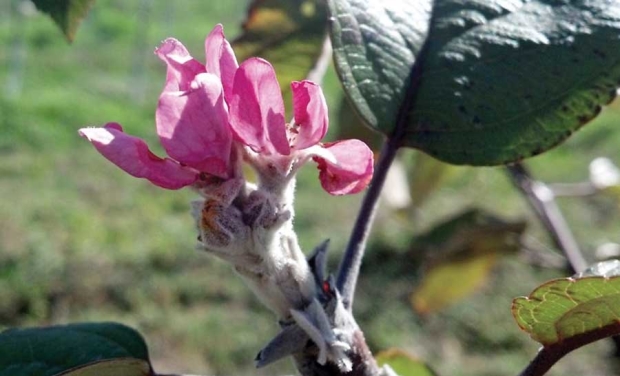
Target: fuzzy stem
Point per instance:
(352, 260)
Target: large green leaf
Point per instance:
(478, 82)
(60, 349)
(287, 33)
(575, 310)
(66, 13)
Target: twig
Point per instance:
(352, 259)
(582, 189)
(542, 200)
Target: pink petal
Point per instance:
(310, 114)
(353, 169)
(221, 59)
(133, 156)
(193, 126)
(182, 68)
(257, 108)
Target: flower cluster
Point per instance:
(208, 114)
(210, 118)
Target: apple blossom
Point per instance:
(258, 121)
(206, 110)
(211, 117)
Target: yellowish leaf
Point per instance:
(403, 363)
(112, 367)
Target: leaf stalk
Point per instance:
(351, 262)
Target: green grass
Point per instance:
(80, 240)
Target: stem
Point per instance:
(549, 355)
(542, 199)
(544, 360)
(352, 259)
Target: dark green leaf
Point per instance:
(403, 364)
(287, 33)
(374, 50)
(573, 310)
(478, 82)
(57, 349)
(66, 13)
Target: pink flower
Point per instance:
(203, 107)
(258, 121)
(191, 118)
(133, 155)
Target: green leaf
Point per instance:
(575, 311)
(66, 13)
(478, 82)
(287, 33)
(403, 364)
(114, 367)
(462, 252)
(57, 349)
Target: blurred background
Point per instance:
(82, 241)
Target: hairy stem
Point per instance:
(542, 199)
(352, 260)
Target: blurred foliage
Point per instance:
(81, 241)
(67, 14)
(403, 364)
(287, 33)
(459, 256)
